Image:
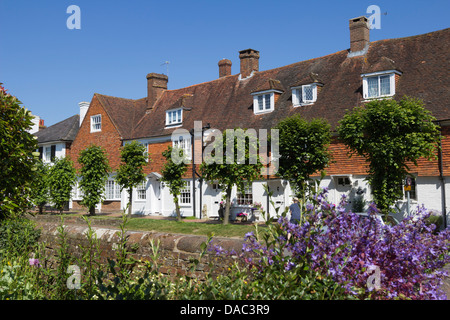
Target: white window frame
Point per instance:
(299, 95)
(246, 198)
(265, 108)
(146, 154)
(378, 75)
(96, 123)
(185, 142)
(115, 192)
(141, 191)
(184, 199)
(47, 158)
(178, 113)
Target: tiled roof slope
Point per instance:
(227, 102)
(65, 130)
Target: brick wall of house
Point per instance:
(357, 165)
(108, 138)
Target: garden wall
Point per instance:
(176, 250)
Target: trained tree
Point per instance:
(173, 173)
(39, 194)
(303, 149)
(389, 134)
(93, 174)
(133, 158)
(233, 160)
(17, 155)
(61, 180)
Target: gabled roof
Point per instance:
(64, 131)
(226, 103)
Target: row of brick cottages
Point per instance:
(323, 87)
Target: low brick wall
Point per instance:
(176, 251)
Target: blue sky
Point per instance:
(51, 68)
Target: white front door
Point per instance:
(155, 197)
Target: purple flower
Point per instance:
(34, 262)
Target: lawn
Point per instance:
(232, 230)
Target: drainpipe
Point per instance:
(442, 178)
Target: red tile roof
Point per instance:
(227, 102)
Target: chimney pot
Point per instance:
(359, 33)
(249, 62)
(156, 85)
(224, 68)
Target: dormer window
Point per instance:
(174, 117)
(264, 102)
(304, 95)
(379, 84)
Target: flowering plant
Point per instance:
(257, 206)
(347, 248)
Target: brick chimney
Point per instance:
(359, 34)
(156, 85)
(249, 62)
(224, 68)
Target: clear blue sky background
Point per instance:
(51, 68)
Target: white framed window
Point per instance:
(47, 154)
(304, 95)
(77, 193)
(245, 198)
(412, 188)
(379, 84)
(264, 101)
(96, 123)
(146, 151)
(184, 143)
(141, 190)
(174, 117)
(185, 193)
(112, 190)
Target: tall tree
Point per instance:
(133, 158)
(94, 173)
(389, 134)
(61, 180)
(173, 173)
(17, 155)
(239, 165)
(303, 149)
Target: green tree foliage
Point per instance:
(234, 161)
(39, 194)
(61, 180)
(389, 134)
(93, 174)
(172, 174)
(131, 170)
(17, 160)
(303, 148)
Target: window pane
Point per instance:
(308, 93)
(179, 115)
(299, 95)
(372, 87)
(141, 191)
(260, 103)
(385, 85)
(267, 98)
(185, 193)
